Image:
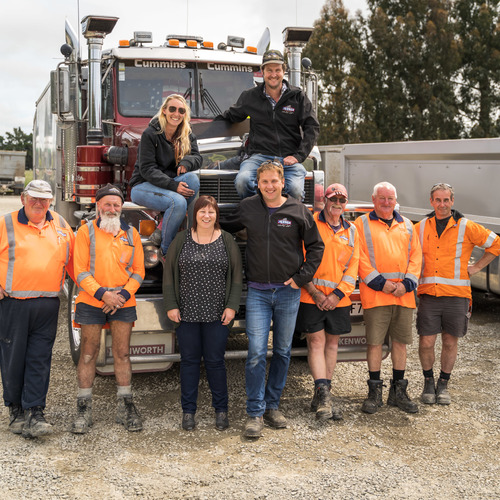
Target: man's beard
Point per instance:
(110, 222)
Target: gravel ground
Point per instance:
(441, 452)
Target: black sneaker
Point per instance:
(35, 424)
(127, 414)
(221, 420)
(16, 419)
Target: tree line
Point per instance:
(407, 70)
(18, 141)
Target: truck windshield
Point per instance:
(209, 88)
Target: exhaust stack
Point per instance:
(95, 29)
(295, 39)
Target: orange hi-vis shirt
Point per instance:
(446, 258)
(33, 261)
(392, 253)
(339, 266)
(105, 262)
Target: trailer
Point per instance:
(12, 167)
(471, 166)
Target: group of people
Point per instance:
(301, 270)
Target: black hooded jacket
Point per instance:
(156, 159)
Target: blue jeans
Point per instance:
(246, 179)
(208, 340)
(172, 203)
(279, 305)
(27, 334)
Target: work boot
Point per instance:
(442, 395)
(188, 423)
(155, 237)
(336, 413)
(221, 420)
(35, 424)
(274, 418)
(324, 402)
(399, 397)
(374, 400)
(16, 419)
(253, 427)
(83, 420)
(429, 393)
(127, 414)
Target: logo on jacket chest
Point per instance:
(289, 110)
(284, 222)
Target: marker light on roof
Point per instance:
(191, 44)
(124, 43)
(251, 50)
(173, 42)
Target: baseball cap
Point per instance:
(336, 189)
(109, 189)
(272, 57)
(39, 189)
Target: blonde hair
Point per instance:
(180, 139)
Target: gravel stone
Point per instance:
(443, 452)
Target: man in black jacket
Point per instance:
(278, 228)
(283, 127)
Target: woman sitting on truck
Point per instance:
(163, 177)
(202, 280)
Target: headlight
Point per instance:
(151, 255)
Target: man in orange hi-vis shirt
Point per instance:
(447, 240)
(109, 268)
(390, 259)
(36, 247)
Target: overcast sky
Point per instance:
(32, 31)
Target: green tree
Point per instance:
(336, 51)
(413, 55)
(478, 27)
(18, 141)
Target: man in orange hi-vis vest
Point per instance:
(325, 306)
(36, 247)
(109, 269)
(389, 266)
(447, 240)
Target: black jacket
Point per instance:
(274, 250)
(290, 129)
(156, 159)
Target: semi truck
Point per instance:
(471, 166)
(12, 167)
(88, 124)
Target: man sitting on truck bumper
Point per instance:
(447, 238)
(109, 268)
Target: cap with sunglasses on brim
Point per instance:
(336, 190)
(272, 57)
(39, 189)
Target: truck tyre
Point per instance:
(74, 333)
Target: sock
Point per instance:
(428, 373)
(84, 393)
(444, 376)
(374, 375)
(320, 381)
(123, 391)
(398, 374)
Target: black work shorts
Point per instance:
(310, 319)
(91, 315)
(443, 314)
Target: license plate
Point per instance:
(356, 308)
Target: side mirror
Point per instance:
(59, 92)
